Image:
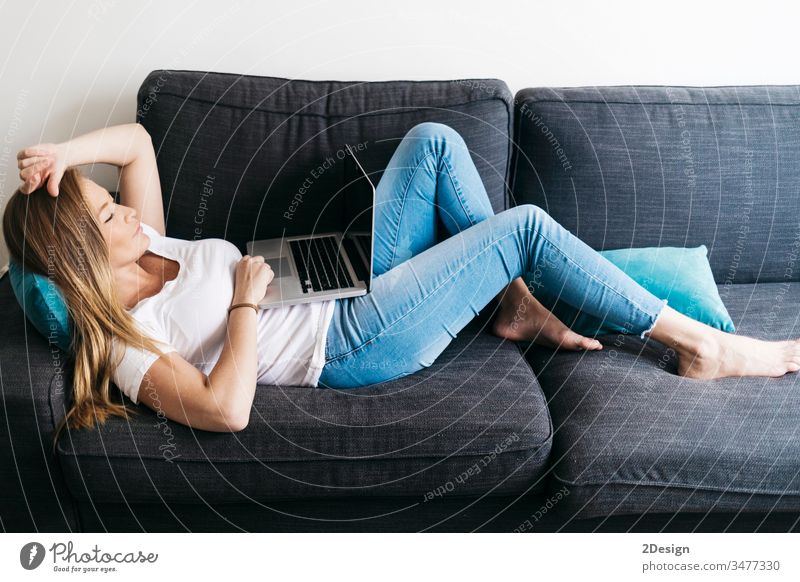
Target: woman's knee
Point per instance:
(529, 215)
(431, 133)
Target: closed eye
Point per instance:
(110, 215)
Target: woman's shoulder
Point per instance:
(211, 246)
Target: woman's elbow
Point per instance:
(141, 132)
(238, 423)
(235, 418)
(219, 421)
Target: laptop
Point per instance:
(328, 265)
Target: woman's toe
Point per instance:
(593, 343)
(587, 343)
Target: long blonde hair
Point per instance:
(60, 238)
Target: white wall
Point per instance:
(69, 67)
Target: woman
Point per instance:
(170, 302)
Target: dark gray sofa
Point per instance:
(494, 436)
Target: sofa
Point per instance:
(495, 435)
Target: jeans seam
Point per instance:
(588, 274)
(459, 192)
(402, 209)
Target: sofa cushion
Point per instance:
(631, 436)
(475, 422)
(669, 166)
(245, 157)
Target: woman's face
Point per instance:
(119, 225)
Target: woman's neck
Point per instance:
(134, 284)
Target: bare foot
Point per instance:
(706, 353)
(728, 354)
(522, 318)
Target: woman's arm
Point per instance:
(127, 146)
(222, 400)
(237, 365)
(130, 148)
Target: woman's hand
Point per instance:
(252, 277)
(44, 162)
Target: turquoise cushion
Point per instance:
(682, 276)
(42, 303)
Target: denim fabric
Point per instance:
(423, 293)
(625, 167)
(631, 436)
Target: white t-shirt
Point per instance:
(189, 316)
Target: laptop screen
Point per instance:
(358, 195)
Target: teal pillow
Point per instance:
(682, 276)
(43, 304)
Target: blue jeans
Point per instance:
(424, 293)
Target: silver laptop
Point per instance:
(329, 265)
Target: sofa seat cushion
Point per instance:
(473, 423)
(631, 436)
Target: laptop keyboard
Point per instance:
(320, 264)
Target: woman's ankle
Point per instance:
(516, 292)
(682, 333)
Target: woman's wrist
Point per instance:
(62, 154)
(70, 153)
(247, 306)
(242, 299)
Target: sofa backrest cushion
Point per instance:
(635, 166)
(246, 157)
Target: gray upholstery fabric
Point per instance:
(632, 436)
(245, 157)
(398, 514)
(34, 381)
(408, 437)
(669, 166)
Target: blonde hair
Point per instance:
(60, 237)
